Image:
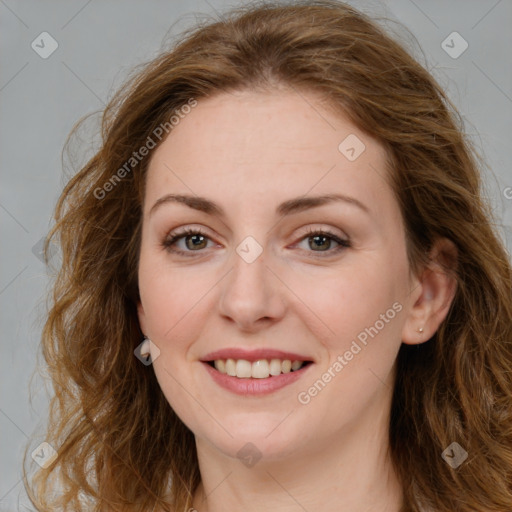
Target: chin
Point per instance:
(257, 437)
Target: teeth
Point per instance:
(287, 366)
(296, 365)
(220, 365)
(275, 367)
(243, 369)
(230, 367)
(260, 369)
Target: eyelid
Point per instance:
(319, 228)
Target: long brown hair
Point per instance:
(120, 445)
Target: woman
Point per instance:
(280, 286)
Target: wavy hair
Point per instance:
(120, 445)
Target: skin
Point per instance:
(249, 152)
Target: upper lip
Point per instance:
(253, 355)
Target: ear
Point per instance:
(436, 286)
(142, 318)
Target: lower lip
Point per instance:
(251, 386)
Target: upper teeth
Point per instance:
(260, 369)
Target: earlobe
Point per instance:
(437, 286)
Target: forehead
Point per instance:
(250, 145)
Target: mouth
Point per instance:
(255, 372)
(258, 369)
(256, 377)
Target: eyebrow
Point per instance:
(289, 207)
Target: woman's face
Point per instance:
(269, 272)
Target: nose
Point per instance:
(252, 296)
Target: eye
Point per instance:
(322, 240)
(194, 240)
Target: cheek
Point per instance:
(350, 299)
(175, 301)
(361, 305)
(163, 295)
(363, 313)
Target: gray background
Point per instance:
(99, 42)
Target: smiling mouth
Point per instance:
(260, 369)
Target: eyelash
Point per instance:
(169, 242)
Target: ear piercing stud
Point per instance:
(420, 330)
